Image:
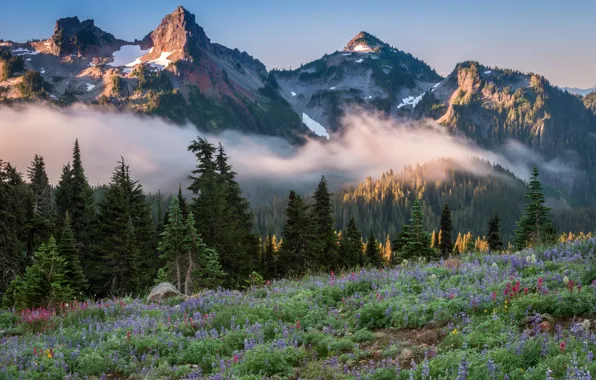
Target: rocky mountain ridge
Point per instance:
(176, 72)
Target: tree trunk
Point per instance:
(188, 279)
(178, 275)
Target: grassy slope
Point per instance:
(426, 319)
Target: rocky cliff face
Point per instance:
(177, 35)
(493, 106)
(72, 36)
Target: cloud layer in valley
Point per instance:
(158, 158)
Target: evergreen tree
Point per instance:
(67, 248)
(416, 240)
(172, 244)
(434, 240)
(372, 252)
(445, 243)
(42, 222)
(269, 262)
(387, 250)
(322, 213)
(182, 201)
(299, 239)
(44, 282)
(535, 226)
(80, 202)
(160, 225)
(493, 234)
(121, 250)
(62, 196)
(131, 280)
(225, 221)
(16, 200)
(203, 266)
(350, 246)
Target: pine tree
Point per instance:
(434, 242)
(121, 250)
(445, 243)
(387, 250)
(322, 212)
(80, 205)
(44, 282)
(269, 262)
(182, 202)
(42, 223)
(160, 214)
(535, 226)
(299, 239)
(203, 266)
(130, 283)
(493, 234)
(350, 247)
(63, 196)
(68, 250)
(416, 241)
(172, 244)
(372, 253)
(224, 219)
(16, 202)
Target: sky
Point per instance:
(551, 37)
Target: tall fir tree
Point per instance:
(322, 213)
(350, 246)
(159, 226)
(62, 195)
(445, 243)
(124, 244)
(387, 249)
(299, 239)
(372, 252)
(42, 221)
(172, 245)
(535, 226)
(416, 240)
(16, 202)
(493, 235)
(268, 265)
(80, 205)
(224, 219)
(67, 247)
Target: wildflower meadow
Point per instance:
(526, 315)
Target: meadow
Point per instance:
(526, 315)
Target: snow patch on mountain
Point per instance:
(90, 87)
(128, 55)
(410, 101)
(162, 61)
(361, 48)
(293, 93)
(23, 51)
(317, 128)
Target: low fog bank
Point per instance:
(158, 158)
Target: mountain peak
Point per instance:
(364, 42)
(72, 36)
(177, 32)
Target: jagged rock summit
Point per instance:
(81, 38)
(364, 42)
(178, 36)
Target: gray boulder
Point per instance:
(162, 292)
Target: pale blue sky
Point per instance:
(553, 38)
